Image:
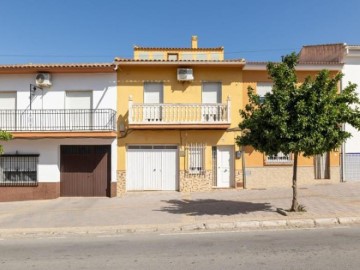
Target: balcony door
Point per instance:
(78, 105)
(153, 97)
(211, 96)
(8, 108)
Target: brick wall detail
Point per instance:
(43, 191)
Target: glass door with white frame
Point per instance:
(153, 98)
(8, 111)
(211, 98)
(78, 113)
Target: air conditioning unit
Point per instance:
(43, 80)
(185, 74)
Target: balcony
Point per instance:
(179, 116)
(59, 123)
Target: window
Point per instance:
(143, 56)
(18, 170)
(187, 56)
(172, 56)
(158, 56)
(279, 158)
(262, 88)
(201, 56)
(195, 158)
(215, 56)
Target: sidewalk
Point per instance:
(174, 211)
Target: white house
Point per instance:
(349, 57)
(63, 121)
(351, 72)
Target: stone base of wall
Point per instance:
(43, 191)
(113, 189)
(121, 183)
(281, 176)
(191, 183)
(239, 179)
(256, 178)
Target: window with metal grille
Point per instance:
(279, 158)
(18, 170)
(196, 158)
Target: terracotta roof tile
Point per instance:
(325, 53)
(70, 65)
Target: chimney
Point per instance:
(194, 42)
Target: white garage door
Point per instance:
(151, 167)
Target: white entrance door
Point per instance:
(153, 95)
(151, 167)
(79, 116)
(211, 95)
(224, 166)
(8, 103)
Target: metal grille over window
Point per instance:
(195, 158)
(18, 170)
(279, 158)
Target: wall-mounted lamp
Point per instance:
(33, 89)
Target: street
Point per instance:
(337, 248)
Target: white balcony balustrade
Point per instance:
(179, 114)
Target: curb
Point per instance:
(252, 225)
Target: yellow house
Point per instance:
(178, 115)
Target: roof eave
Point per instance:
(181, 63)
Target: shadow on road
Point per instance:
(213, 207)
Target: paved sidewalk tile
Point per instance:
(151, 209)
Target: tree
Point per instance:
(4, 136)
(297, 118)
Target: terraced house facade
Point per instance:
(178, 120)
(164, 120)
(63, 120)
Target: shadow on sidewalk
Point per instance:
(213, 207)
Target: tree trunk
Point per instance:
(295, 204)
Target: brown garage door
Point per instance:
(85, 170)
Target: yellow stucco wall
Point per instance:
(256, 159)
(131, 83)
(234, 81)
(190, 54)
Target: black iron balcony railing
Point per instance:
(58, 120)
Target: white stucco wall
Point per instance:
(102, 85)
(351, 72)
(49, 151)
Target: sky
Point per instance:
(71, 31)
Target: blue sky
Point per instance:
(51, 31)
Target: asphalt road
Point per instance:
(297, 249)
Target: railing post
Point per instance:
(228, 109)
(130, 109)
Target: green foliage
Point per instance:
(4, 136)
(295, 118)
